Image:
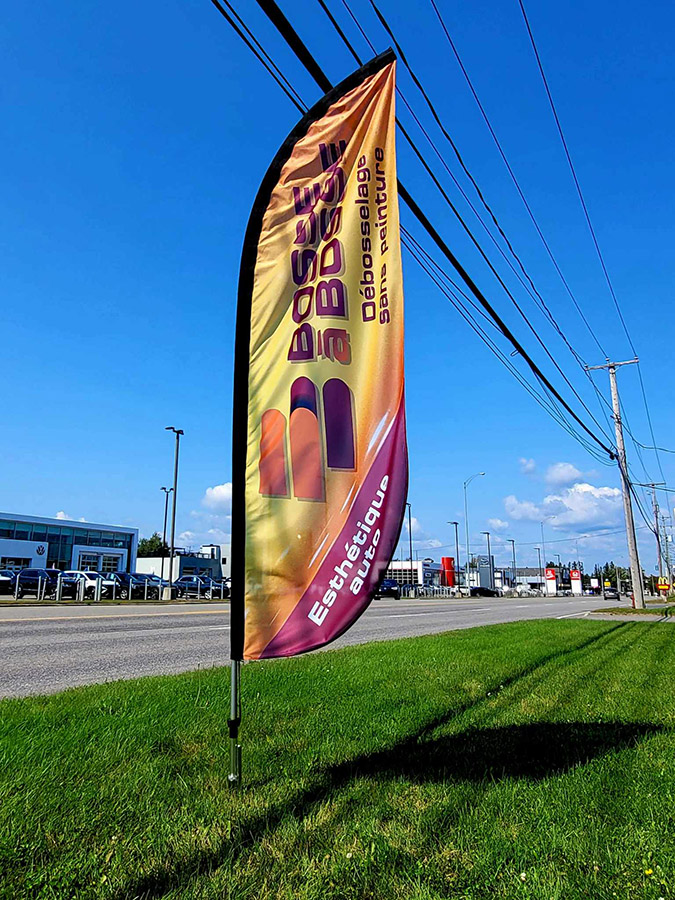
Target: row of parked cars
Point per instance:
(49, 584)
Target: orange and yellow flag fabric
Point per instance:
(320, 467)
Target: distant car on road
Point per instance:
(611, 594)
(484, 592)
(389, 587)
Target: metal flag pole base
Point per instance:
(234, 778)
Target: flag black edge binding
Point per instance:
(242, 343)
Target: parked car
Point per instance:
(107, 581)
(89, 580)
(162, 583)
(132, 587)
(218, 589)
(195, 586)
(389, 587)
(44, 582)
(7, 578)
(611, 594)
(154, 588)
(484, 592)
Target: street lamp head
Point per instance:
(475, 475)
(453, 523)
(175, 430)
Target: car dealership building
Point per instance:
(35, 542)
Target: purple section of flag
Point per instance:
(303, 395)
(339, 421)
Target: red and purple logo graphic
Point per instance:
(308, 429)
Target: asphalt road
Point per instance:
(48, 649)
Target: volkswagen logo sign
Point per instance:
(40, 550)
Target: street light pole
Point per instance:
(456, 524)
(466, 522)
(541, 571)
(490, 568)
(410, 539)
(167, 491)
(513, 557)
(178, 432)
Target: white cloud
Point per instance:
(498, 524)
(417, 529)
(421, 538)
(527, 466)
(581, 505)
(62, 515)
(217, 536)
(218, 497)
(521, 509)
(584, 504)
(187, 537)
(563, 473)
(429, 544)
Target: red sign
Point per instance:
(550, 574)
(575, 574)
(447, 571)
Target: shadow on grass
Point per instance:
(532, 751)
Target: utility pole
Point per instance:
(635, 570)
(667, 553)
(657, 527)
(513, 562)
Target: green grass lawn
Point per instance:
(532, 760)
(664, 611)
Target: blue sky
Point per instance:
(135, 137)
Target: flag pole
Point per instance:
(234, 778)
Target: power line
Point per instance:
(419, 254)
(255, 47)
(436, 272)
(603, 402)
(531, 289)
(514, 178)
(590, 226)
(456, 212)
(294, 41)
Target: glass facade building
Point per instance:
(65, 544)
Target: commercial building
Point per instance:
(206, 561)
(37, 542)
(424, 572)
